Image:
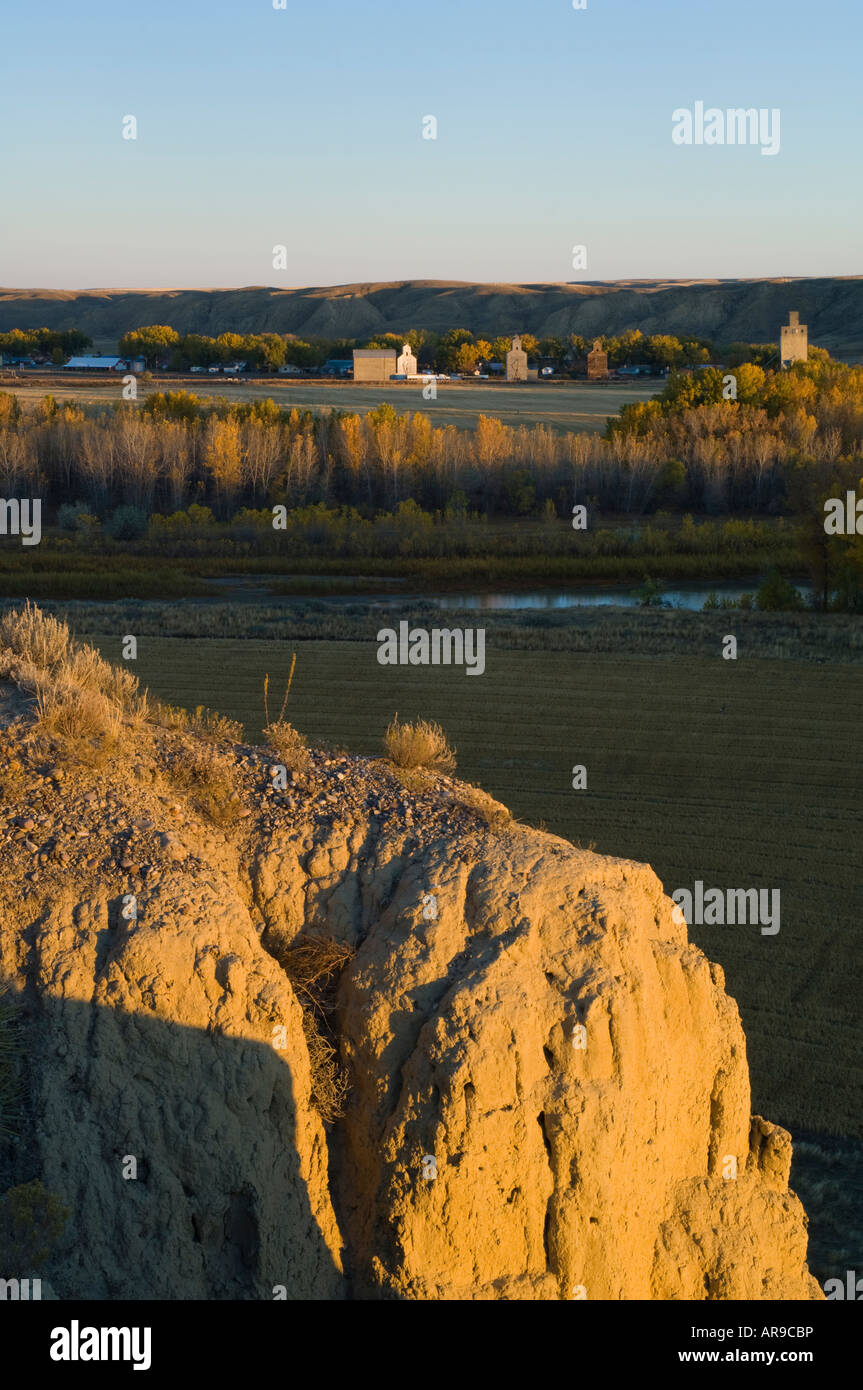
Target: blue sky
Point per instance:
(302, 127)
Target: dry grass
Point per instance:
(65, 710)
(207, 723)
(314, 966)
(79, 695)
(419, 745)
(208, 778)
(489, 811)
(289, 745)
(35, 636)
(268, 723)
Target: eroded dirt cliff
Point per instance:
(548, 1093)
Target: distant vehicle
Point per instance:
(546, 371)
(197, 369)
(214, 371)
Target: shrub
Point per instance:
(210, 724)
(65, 710)
(35, 636)
(423, 744)
(289, 744)
(778, 595)
(127, 524)
(78, 693)
(67, 515)
(650, 594)
(208, 777)
(31, 1222)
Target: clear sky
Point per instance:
(303, 127)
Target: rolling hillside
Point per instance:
(724, 311)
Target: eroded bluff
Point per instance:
(548, 1098)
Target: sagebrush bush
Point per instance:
(79, 695)
(66, 710)
(423, 744)
(35, 636)
(290, 746)
(210, 724)
(208, 777)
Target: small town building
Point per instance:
(516, 361)
(793, 340)
(97, 364)
(406, 363)
(374, 364)
(597, 362)
(337, 366)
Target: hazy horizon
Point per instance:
(423, 280)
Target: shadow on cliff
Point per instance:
(176, 1152)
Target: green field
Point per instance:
(741, 774)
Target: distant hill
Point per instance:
(722, 310)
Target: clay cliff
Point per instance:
(525, 1083)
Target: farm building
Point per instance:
(793, 340)
(374, 364)
(97, 364)
(516, 361)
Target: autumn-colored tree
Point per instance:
(152, 343)
(223, 458)
(466, 358)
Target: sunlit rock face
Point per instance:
(548, 1090)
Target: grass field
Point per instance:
(564, 405)
(741, 774)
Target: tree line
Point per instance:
(458, 350)
(689, 449)
(44, 342)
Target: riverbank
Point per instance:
(802, 636)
